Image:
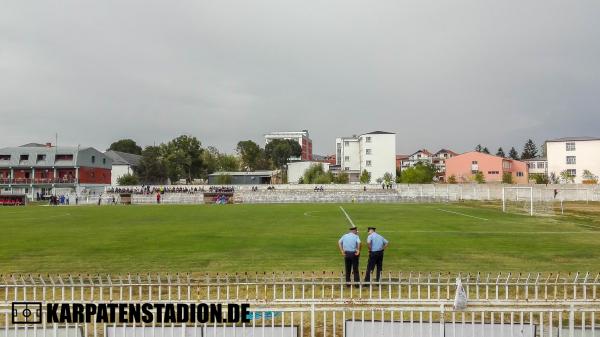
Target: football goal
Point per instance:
(525, 199)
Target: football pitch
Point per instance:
(466, 237)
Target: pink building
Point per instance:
(464, 166)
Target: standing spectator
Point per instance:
(158, 198)
(377, 244)
(349, 245)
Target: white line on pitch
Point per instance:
(463, 214)
(347, 216)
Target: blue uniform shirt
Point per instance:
(350, 242)
(377, 242)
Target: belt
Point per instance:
(350, 251)
(376, 251)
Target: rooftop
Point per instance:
(244, 173)
(379, 133)
(573, 139)
(123, 158)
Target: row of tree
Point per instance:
(530, 151)
(185, 158)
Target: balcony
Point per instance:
(37, 181)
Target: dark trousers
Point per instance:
(375, 260)
(351, 261)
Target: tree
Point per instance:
(452, 179)
(213, 161)
(128, 180)
(553, 178)
(126, 145)
(479, 177)
(529, 150)
(183, 158)
(316, 174)
(341, 178)
(478, 148)
(539, 178)
(566, 177)
(388, 178)
(398, 174)
(420, 173)
(365, 177)
(280, 150)
(485, 150)
(513, 153)
(589, 177)
(151, 169)
(507, 178)
(500, 152)
(252, 157)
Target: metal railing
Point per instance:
(322, 304)
(29, 181)
(406, 288)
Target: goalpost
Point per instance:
(514, 194)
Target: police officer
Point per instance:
(377, 244)
(350, 245)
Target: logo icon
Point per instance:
(26, 312)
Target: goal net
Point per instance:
(526, 200)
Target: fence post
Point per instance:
(312, 320)
(572, 321)
(442, 320)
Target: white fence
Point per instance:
(322, 304)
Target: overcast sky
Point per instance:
(438, 73)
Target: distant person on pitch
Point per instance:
(349, 245)
(377, 244)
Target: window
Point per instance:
(93, 159)
(104, 161)
(474, 162)
(346, 144)
(346, 168)
(4, 156)
(368, 163)
(347, 158)
(64, 157)
(493, 172)
(541, 165)
(368, 140)
(506, 165)
(571, 160)
(519, 174)
(368, 151)
(24, 157)
(570, 146)
(572, 172)
(41, 157)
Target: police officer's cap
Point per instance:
(373, 228)
(353, 228)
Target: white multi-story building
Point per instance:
(374, 151)
(573, 155)
(301, 137)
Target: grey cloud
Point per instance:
(440, 74)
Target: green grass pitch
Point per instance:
(290, 238)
